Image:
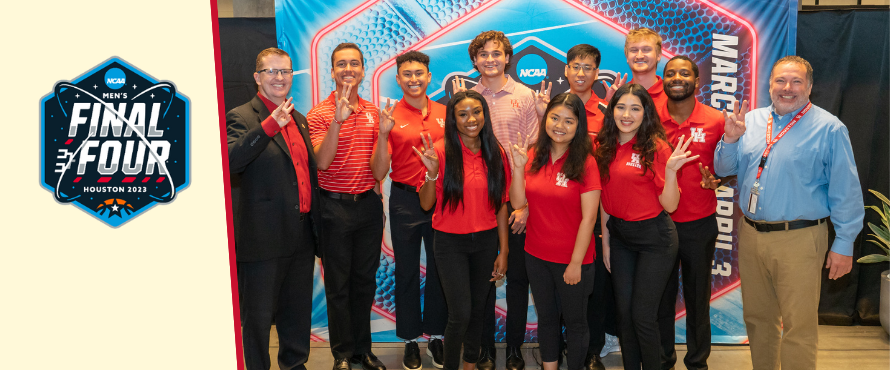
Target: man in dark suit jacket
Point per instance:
(274, 239)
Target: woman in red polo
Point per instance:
(639, 174)
(466, 180)
(561, 185)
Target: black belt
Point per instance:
(404, 187)
(784, 226)
(345, 196)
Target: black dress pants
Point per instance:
(554, 297)
(517, 296)
(642, 257)
(279, 288)
(465, 264)
(409, 224)
(601, 303)
(695, 255)
(352, 232)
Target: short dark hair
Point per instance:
(481, 39)
(267, 52)
(796, 60)
(682, 57)
(347, 45)
(413, 56)
(582, 51)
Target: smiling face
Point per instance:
(679, 80)
(413, 78)
(470, 118)
(789, 88)
(561, 124)
(581, 74)
(274, 88)
(628, 113)
(348, 69)
(642, 55)
(491, 60)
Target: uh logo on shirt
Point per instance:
(698, 134)
(634, 161)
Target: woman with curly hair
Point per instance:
(638, 169)
(466, 181)
(561, 185)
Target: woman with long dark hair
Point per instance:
(639, 174)
(466, 180)
(561, 185)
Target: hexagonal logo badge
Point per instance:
(114, 142)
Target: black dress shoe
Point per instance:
(341, 364)
(368, 361)
(594, 362)
(487, 359)
(411, 360)
(514, 359)
(435, 350)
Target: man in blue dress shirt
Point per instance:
(791, 179)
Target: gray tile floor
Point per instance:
(840, 348)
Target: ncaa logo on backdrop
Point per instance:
(114, 142)
(531, 69)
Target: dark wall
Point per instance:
(851, 62)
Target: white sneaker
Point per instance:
(610, 346)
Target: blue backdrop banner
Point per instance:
(734, 43)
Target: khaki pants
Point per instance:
(781, 274)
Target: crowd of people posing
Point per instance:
(586, 201)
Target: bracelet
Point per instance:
(334, 120)
(427, 176)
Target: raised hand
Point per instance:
(519, 152)
(428, 155)
(708, 181)
(458, 85)
(611, 89)
(680, 155)
(386, 120)
(735, 122)
(542, 98)
(282, 113)
(343, 108)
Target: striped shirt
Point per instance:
(350, 172)
(512, 110)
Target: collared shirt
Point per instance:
(705, 127)
(298, 152)
(512, 110)
(595, 115)
(809, 174)
(474, 214)
(410, 123)
(555, 209)
(350, 172)
(628, 195)
(656, 91)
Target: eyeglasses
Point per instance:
(275, 72)
(586, 67)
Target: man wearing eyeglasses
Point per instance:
(344, 128)
(274, 242)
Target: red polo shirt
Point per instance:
(555, 209)
(595, 115)
(705, 125)
(410, 123)
(628, 195)
(350, 172)
(298, 152)
(474, 214)
(657, 93)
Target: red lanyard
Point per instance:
(769, 133)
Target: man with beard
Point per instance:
(695, 217)
(343, 129)
(791, 179)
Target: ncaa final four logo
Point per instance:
(114, 142)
